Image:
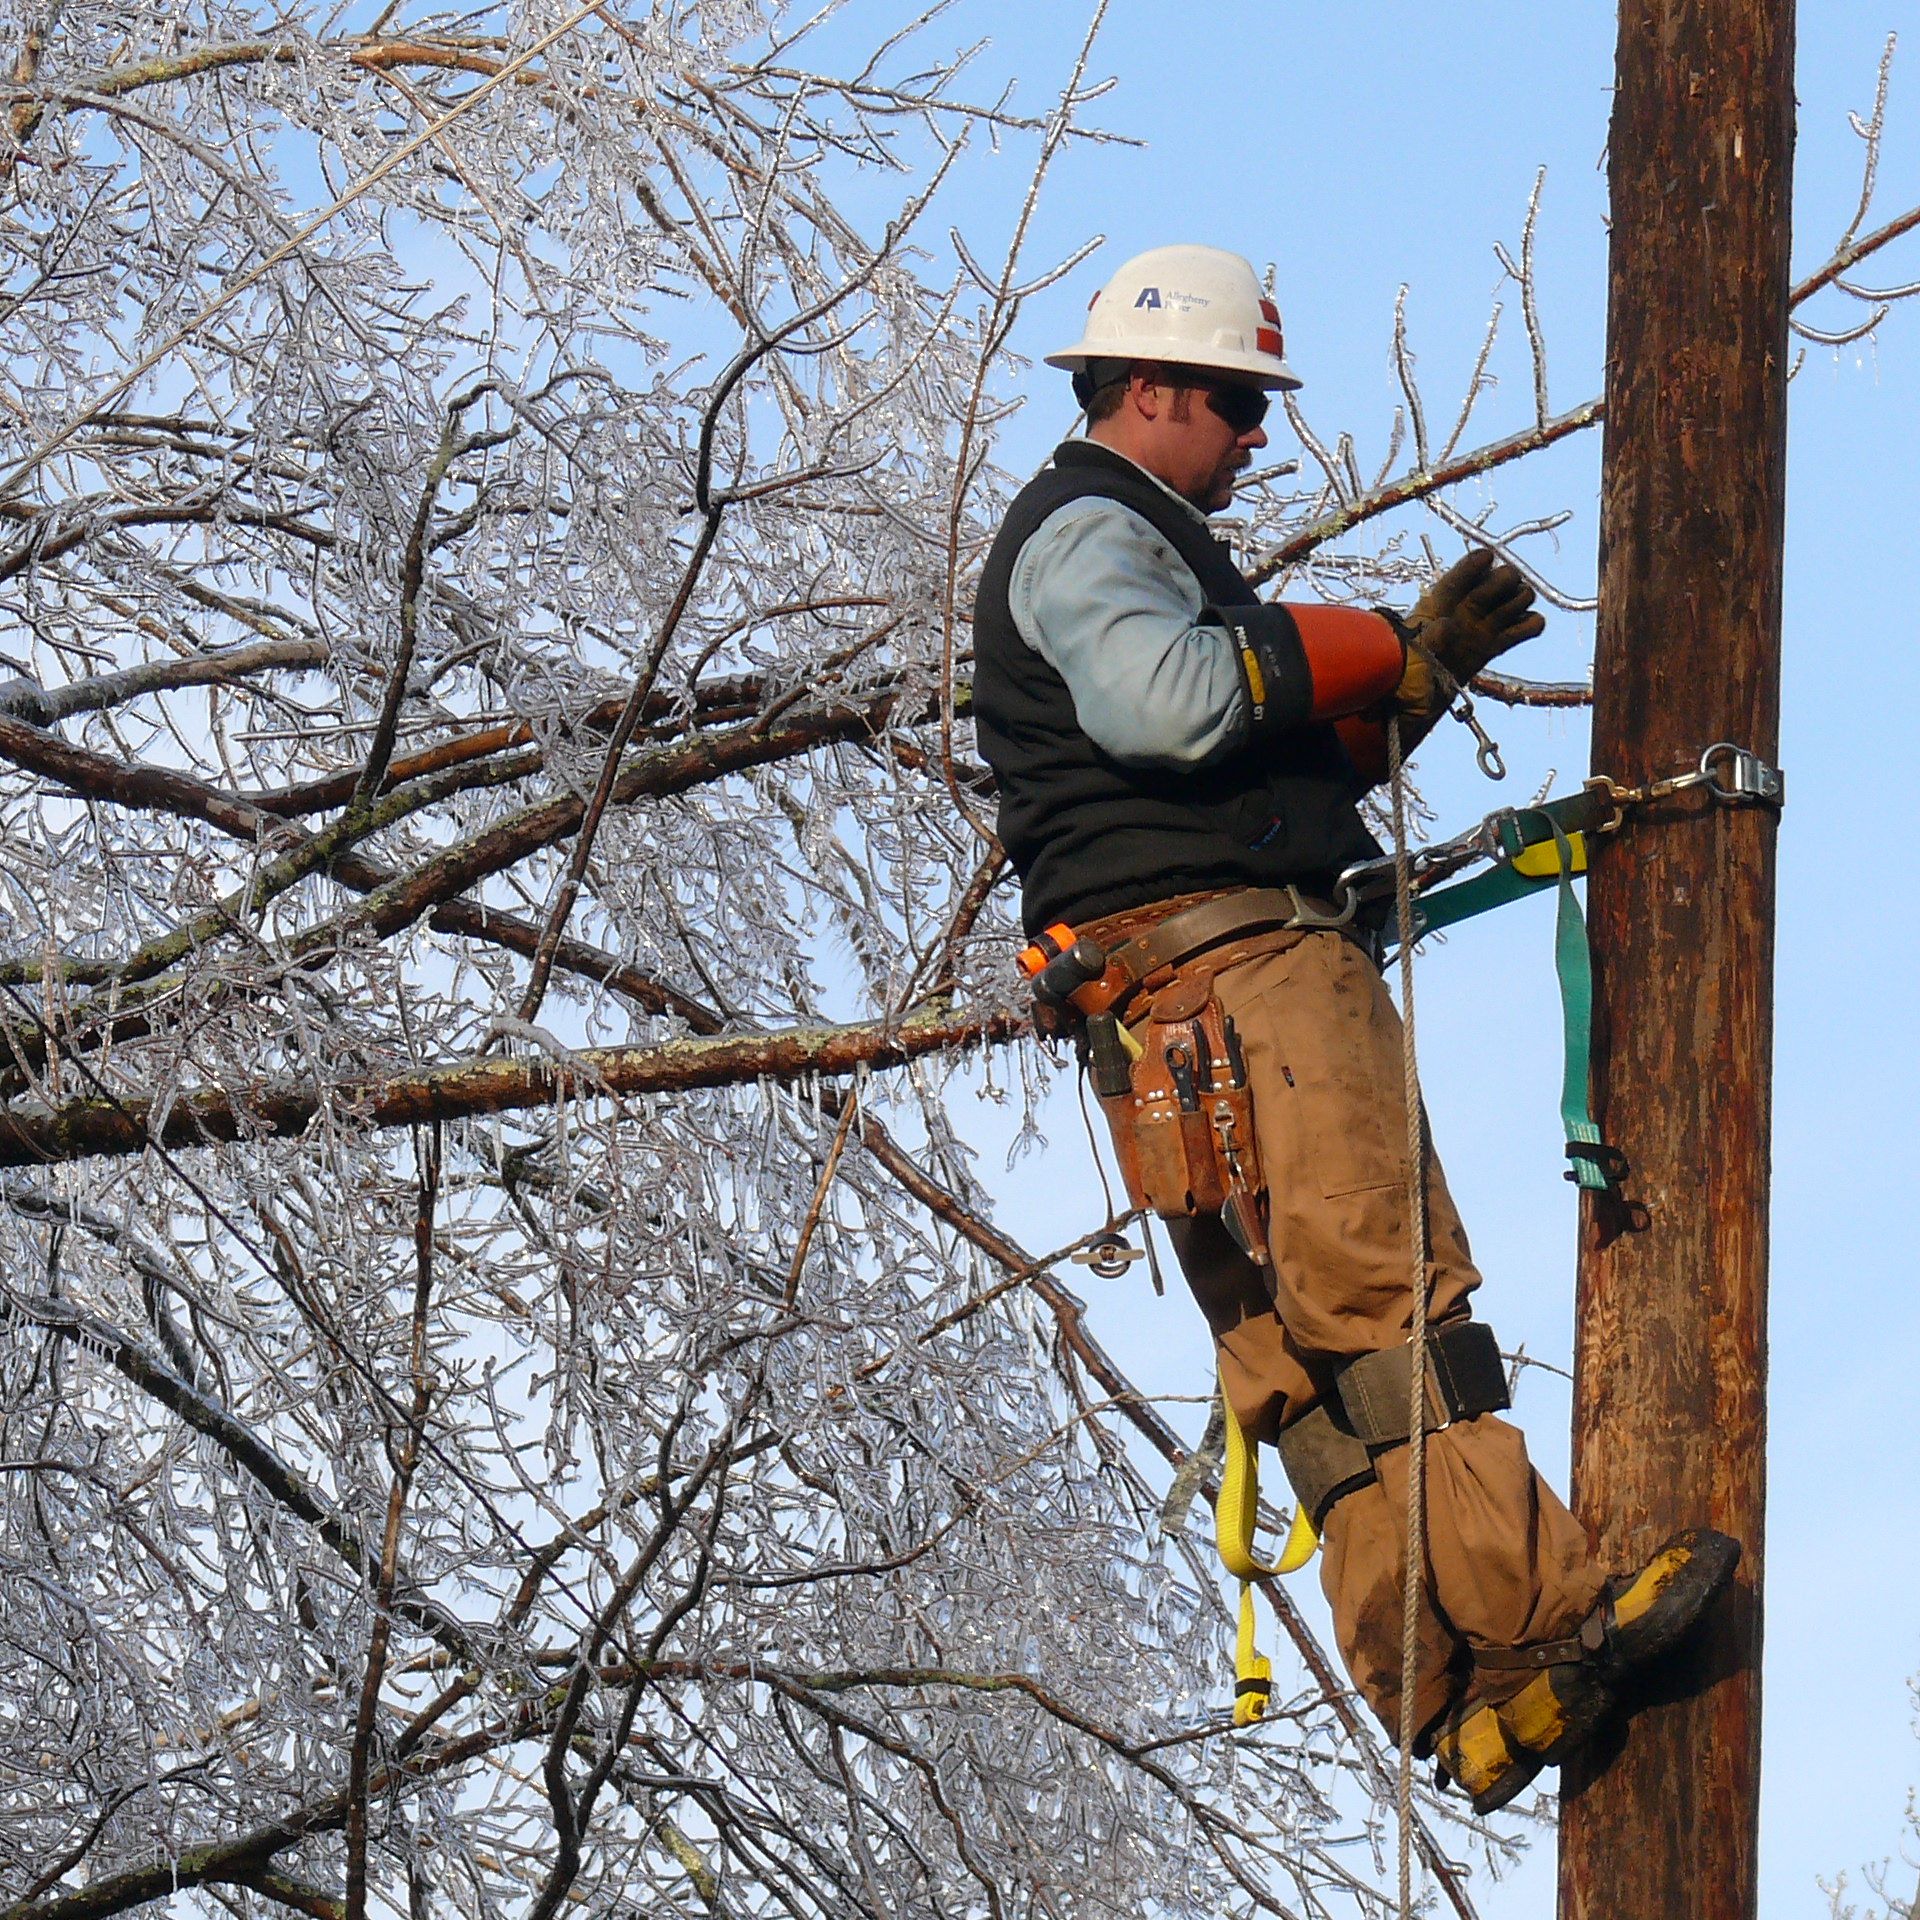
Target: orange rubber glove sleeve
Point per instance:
(1354, 657)
(1365, 740)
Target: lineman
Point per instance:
(1179, 764)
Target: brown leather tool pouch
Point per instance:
(1183, 1131)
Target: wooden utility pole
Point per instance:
(1670, 1363)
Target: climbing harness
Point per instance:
(1077, 977)
(1730, 774)
(1082, 984)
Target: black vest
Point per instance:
(1090, 836)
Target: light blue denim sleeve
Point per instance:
(1108, 604)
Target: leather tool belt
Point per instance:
(1174, 1088)
(1149, 949)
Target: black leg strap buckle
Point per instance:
(1605, 1159)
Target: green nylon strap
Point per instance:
(1594, 1162)
(1447, 906)
(1573, 961)
(1517, 829)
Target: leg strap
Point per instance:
(1464, 1377)
(1322, 1461)
(1588, 1645)
(1329, 1452)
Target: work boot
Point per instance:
(1493, 1752)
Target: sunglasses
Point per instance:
(1240, 407)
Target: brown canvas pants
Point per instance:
(1507, 1563)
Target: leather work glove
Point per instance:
(1469, 617)
(1422, 694)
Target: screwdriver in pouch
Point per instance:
(1236, 1053)
(1202, 1057)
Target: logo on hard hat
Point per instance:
(1153, 298)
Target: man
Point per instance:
(1179, 764)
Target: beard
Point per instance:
(1220, 491)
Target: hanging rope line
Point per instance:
(1415, 1561)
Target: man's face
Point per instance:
(1199, 438)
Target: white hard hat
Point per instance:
(1188, 306)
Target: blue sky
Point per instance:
(1360, 148)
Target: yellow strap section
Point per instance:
(1235, 1515)
(1543, 862)
(1300, 1543)
(1237, 1511)
(1252, 1670)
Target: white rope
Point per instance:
(1416, 1531)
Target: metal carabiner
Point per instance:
(1487, 753)
(1363, 881)
(1368, 880)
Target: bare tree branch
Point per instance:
(465, 1088)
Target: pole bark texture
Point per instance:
(1669, 1422)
